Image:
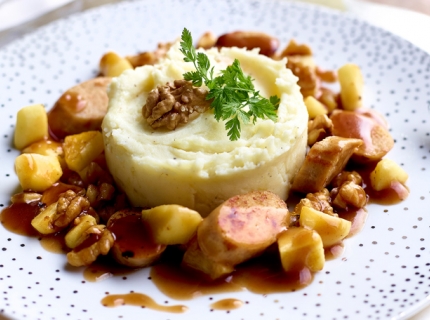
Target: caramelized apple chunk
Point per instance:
(98, 242)
(37, 172)
(112, 65)
(58, 215)
(172, 224)
(388, 174)
(301, 248)
(351, 86)
(332, 229)
(77, 234)
(31, 125)
(83, 148)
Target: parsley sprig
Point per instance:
(234, 96)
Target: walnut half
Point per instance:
(320, 201)
(169, 106)
(99, 241)
(348, 190)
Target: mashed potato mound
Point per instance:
(197, 165)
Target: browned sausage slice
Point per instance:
(81, 108)
(242, 227)
(248, 39)
(377, 141)
(133, 244)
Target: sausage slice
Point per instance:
(81, 108)
(242, 227)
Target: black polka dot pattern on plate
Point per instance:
(384, 271)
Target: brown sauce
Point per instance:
(227, 304)
(17, 218)
(133, 236)
(105, 267)
(141, 300)
(54, 243)
(262, 275)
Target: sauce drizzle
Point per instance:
(227, 304)
(139, 299)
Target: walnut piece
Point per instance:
(319, 128)
(207, 40)
(329, 99)
(295, 49)
(169, 106)
(99, 241)
(349, 194)
(329, 76)
(102, 192)
(320, 201)
(348, 190)
(69, 206)
(346, 176)
(300, 62)
(148, 57)
(308, 80)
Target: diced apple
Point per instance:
(300, 247)
(47, 148)
(332, 229)
(351, 86)
(37, 172)
(77, 234)
(385, 173)
(172, 224)
(112, 65)
(43, 221)
(314, 107)
(31, 125)
(81, 149)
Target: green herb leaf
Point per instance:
(232, 92)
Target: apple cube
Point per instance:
(31, 125)
(82, 148)
(37, 172)
(385, 173)
(77, 235)
(314, 107)
(332, 229)
(47, 148)
(172, 224)
(351, 86)
(300, 247)
(43, 221)
(112, 65)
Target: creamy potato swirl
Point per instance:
(197, 165)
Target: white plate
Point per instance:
(384, 271)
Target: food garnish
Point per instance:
(234, 96)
